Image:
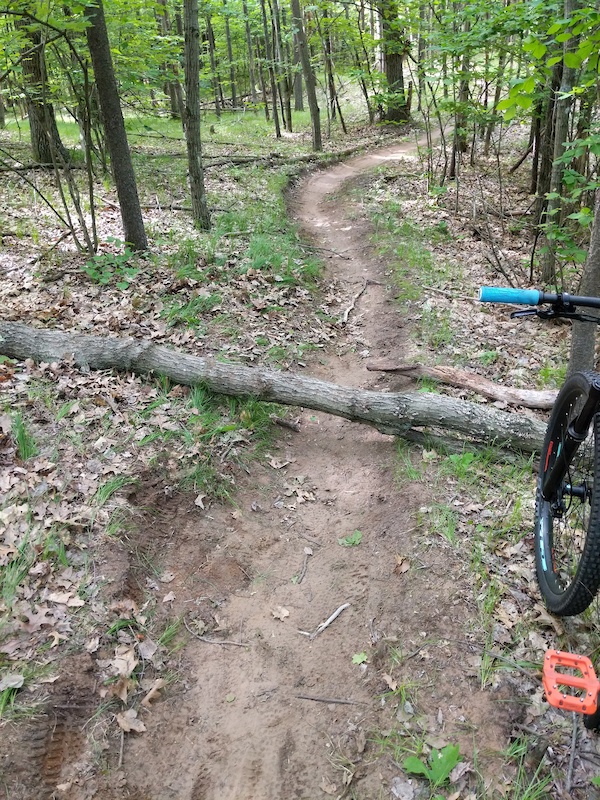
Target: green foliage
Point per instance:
(352, 540)
(438, 766)
(111, 487)
(360, 658)
(114, 268)
(26, 444)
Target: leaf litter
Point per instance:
(94, 427)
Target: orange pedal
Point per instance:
(586, 701)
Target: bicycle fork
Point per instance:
(565, 450)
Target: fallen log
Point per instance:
(529, 398)
(391, 413)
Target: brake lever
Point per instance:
(550, 313)
(528, 312)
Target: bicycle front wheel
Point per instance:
(567, 524)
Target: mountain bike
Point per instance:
(567, 509)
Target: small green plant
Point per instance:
(106, 267)
(459, 464)
(443, 520)
(352, 540)
(190, 312)
(525, 785)
(438, 766)
(360, 658)
(488, 357)
(552, 375)
(405, 468)
(111, 486)
(26, 445)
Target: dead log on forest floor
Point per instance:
(391, 413)
(529, 398)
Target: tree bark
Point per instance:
(46, 144)
(391, 413)
(200, 212)
(583, 336)
(309, 76)
(562, 118)
(251, 71)
(232, 82)
(395, 47)
(114, 128)
(270, 66)
(529, 398)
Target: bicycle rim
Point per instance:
(567, 528)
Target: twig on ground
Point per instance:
(329, 700)
(346, 313)
(308, 539)
(307, 555)
(213, 641)
(285, 423)
(569, 778)
(320, 628)
(121, 748)
(325, 250)
(451, 295)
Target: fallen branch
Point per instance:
(320, 628)
(530, 398)
(329, 700)
(355, 297)
(396, 414)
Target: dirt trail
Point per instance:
(287, 715)
(244, 727)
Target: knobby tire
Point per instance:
(567, 525)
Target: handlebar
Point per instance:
(522, 297)
(561, 305)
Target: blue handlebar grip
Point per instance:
(523, 297)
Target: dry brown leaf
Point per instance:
(327, 787)
(154, 692)
(128, 721)
(125, 660)
(402, 564)
(120, 688)
(391, 682)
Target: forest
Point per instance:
(267, 467)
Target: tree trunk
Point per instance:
(309, 76)
(562, 115)
(583, 336)
(251, 71)
(271, 68)
(544, 166)
(216, 81)
(114, 128)
(191, 29)
(283, 67)
(46, 145)
(394, 50)
(232, 82)
(391, 413)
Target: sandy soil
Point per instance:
(261, 710)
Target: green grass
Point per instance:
(26, 444)
(111, 487)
